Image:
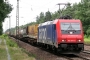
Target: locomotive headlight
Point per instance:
(79, 40)
(63, 40)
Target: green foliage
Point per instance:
(41, 18)
(88, 32)
(48, 16)
(5, 9)
(87, 40)
(11, 43)
(55, 15)
(1, 1)
(4, 35)
(68, 10)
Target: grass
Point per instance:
(87, 40)
(3, 53)
(18, 54)
(15, 52)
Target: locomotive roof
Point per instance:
(61, 20)
(46, 23)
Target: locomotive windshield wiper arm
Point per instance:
(70, 27)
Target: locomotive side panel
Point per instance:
(47, 34)
(51, 35)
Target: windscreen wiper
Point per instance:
(70, 27)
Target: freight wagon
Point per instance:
(32, 31)
(29, 33)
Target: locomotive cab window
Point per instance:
(70, 27)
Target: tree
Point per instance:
(55, 15)
(48, 16)
(5, 9)
(88, 31)
(83, 13)
(37, 19)
(67, 10)
(40, 18)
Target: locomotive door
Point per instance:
(54, 33)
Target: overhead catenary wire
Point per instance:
(42, 6)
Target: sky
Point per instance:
(29, 9)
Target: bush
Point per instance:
(85, 36)
(3, 36)
(88, 32)
(8, 41)
(11, 43)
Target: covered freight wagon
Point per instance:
(32, 32)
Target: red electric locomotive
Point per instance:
(69, 35)
(65, 35)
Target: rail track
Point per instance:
(86, 51)
(84, 55)
(44, 54)
(87, 44)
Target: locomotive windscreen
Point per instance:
(70, 28)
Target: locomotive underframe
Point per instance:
(71, 47)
